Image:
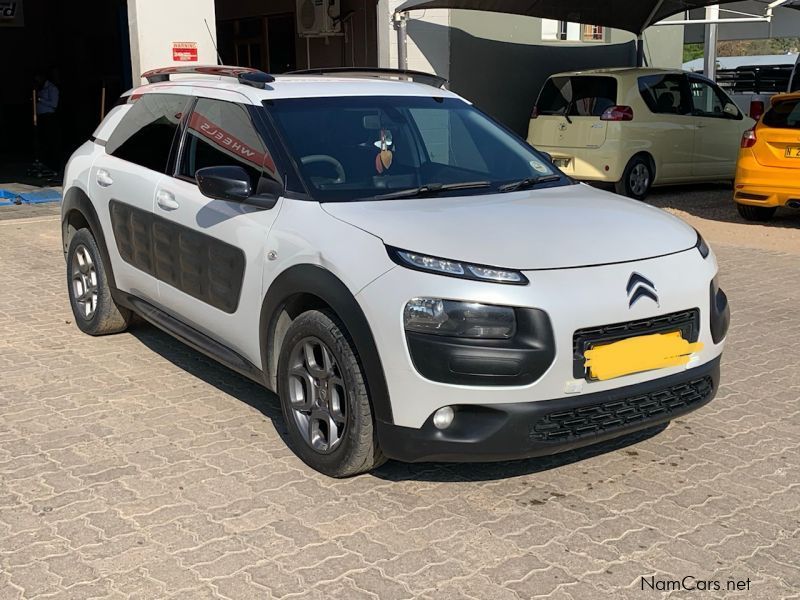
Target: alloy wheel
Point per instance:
(317, 395)
(640, 179)
(84, 282)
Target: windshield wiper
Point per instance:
(567, 111)
(433, 188)
(528, 183)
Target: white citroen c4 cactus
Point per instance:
(412, 279)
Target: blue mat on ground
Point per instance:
(8, 198)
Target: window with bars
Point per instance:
(594, 33)
(566, 31)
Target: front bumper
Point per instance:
(524, 430)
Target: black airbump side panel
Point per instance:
(199, 265)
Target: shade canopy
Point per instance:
(631, 15)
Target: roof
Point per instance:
(780, 97)
(733, 62)
(631, 15)
(298, 86)
(620, 71)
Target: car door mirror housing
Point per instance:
(228, 182)
(731, 110)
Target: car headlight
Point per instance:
(459, 319)
(454, 268)
(701, 246)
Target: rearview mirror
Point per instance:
(731, 110)
(224, 183)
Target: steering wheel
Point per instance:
(326, 158)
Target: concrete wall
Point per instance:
(359, 48)
(663, 45)
(156, 24)
(504, 78)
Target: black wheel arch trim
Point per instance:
(77, 200)
(317, 281)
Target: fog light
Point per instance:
(443, 418)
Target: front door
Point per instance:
(717, 132)
(212, 252)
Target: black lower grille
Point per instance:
(686, 321)
(600, 418)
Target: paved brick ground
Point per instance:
(132, 467)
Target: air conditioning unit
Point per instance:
(318, 18)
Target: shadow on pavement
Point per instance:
(210, 371)
(715, 203)
(268, 404)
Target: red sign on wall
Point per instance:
(184, 51)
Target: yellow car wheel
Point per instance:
(756, 213)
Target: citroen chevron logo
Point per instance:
(640, 287)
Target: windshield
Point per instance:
(360, 148)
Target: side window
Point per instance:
(222, 134)
(146, 133)
(663, 94)
(707, 99)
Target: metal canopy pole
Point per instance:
(400, 24)
(710, 54)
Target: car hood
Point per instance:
(559, 227)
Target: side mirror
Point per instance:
(224, 183)
(548, 157)
(731, 110)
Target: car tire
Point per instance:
(324, 397)
(760, 214)
(637, 179)
(94, 309)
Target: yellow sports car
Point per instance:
(768, 172)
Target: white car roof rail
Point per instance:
(378, 73)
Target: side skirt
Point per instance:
(190, 336)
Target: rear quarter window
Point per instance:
(784, 115)
(577, 96)
(145, 134)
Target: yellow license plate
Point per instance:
(638, 354)
(793, 152)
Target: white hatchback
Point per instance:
(413, 280)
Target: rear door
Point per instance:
(779, 135)
(568, 112)
(672, 131)
(212, 253)
(717, 133)
(123, 183)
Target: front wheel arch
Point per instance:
(78, 212)
(310, 287)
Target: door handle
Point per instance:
(104, 178)
(166, 200)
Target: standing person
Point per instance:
(47, 98)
